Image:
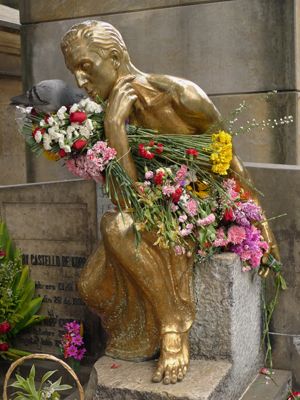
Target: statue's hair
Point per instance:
(100, 35)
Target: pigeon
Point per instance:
(49, 96)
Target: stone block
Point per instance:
(279, 145)
(132, 381)
(280, 185)
(12, 149)
(259, 390)
(224, 47)
(54, 225)
(224, 342)
(40, 10)
(286, 355)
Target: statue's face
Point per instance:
(94, 74)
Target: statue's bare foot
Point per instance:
(174, 358)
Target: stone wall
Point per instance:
(12, 146)
(235, 50)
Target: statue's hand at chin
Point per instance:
(120, 101)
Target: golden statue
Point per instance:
(145, 305)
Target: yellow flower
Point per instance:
(199, 189)
(51, 156)
(222, 154)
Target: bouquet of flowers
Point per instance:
(72, 342)
(180, 192)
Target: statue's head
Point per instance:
(94, 52)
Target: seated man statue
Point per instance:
(146, 305)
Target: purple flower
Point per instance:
(75, 327)
(72, 351)
(252, 211)
(79, 354)
(77, 340)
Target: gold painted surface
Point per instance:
(146, 303)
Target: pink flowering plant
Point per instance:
(72, 342)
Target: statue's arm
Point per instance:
(118, 109)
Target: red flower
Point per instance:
(193, 152)
(4, 327)
(32, 111)
(207, 245)
(228, 215)
(158, 178)
(2, 253)
(141, 188)
(144, 153)
(245, 196)
(151, 143)
(237, 189)
(47, 118)
(79, 144)
(3, 346)
(176, 195)
(38, 129)
(78, 116)
(62, 153)
(159, 150)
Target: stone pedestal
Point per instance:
(224, 341)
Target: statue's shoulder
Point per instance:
(184, 92)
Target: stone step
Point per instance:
(132, 381)
(265, 389)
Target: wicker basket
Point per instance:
(44, 357)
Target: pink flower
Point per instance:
(246, 268)
(99, 147)
(167, 190)
(202, 253)
(174, 208)
(190, 226)
(191, 207)
(264, 245)
(181, 173)
(2, 253)
(72, 351)
(149, 175)
(246, 255)
(178, 250)
(207, 220)
(182, 217)
(80, 353)
(255, 259)
(77, 340)
(147, 183)
(185, 232)
(220, 241)
(109, 154)
(236, 234)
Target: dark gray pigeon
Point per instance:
(49, 96)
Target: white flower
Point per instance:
(89, 124)
(61, 142)
(67, 149)
(76, 134)
(190, 177)
(9, 292)
(38, 136)
(47, 146)
(164, 170)
(42, 122)
(83, 102)
(74, 108)
(51, 121)
(75, 125)
(84, 132)
(61, 112)
(70, 129)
